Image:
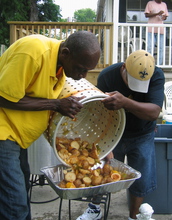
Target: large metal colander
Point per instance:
(94, 123)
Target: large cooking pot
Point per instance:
(40, 154)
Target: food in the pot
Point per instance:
(115, 176)
(70, 177)
(75, 151)
(90, 177)
(82, 156)
(96, 180)
(87, 180)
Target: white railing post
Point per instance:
(2, 49)
(139, 40)
(115, 31)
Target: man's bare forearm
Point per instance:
(31, 104)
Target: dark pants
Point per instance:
(14, 182)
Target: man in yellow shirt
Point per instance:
(32, 75)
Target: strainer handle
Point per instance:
(92, 99)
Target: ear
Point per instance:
(65, 51)
(123, 66)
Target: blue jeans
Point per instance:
(155, 41)
(140, 152)
(14, 182)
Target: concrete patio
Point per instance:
(49, 211)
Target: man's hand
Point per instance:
(115, 101)
(109, 157)
(69, 106)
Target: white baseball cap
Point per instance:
(140, 67)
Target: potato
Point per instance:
(85, 152)
(62, 184)
(91, 161)
(104, 180)
(63, 141)
(70, 177)
(87, 181)
(64, 154)
(84, 171)
(93, 153)
(82, 186)
(85, 165)
(95, 173)
(64, 151)
(82, 157)
(80, 176)
(101, 171)
(73, 159)
(75, 144)
(107, 169)
(75, 152)
(59, 146)
(96, 180)
(109, 179)
(77, 183)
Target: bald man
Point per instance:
(32, 75)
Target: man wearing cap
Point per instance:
(137, 86)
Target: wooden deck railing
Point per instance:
(117, 40)
(61, 30)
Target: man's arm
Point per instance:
(68, 106)
(145, 111)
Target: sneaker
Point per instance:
(91, 213)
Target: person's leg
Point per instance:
(97, 199)
(26, 171)
(93, 212)
(134, 205)
(150, 48)
(161, 49)
(13, 194)
(142, 158)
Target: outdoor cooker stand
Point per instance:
(38, 180)
(105, 201)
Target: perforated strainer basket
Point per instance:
(94, 123)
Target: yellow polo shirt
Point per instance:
(28, 68)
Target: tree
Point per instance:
(48, 11)
(15, 10)
(33, 10)
(25, 10)
(85, 15)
